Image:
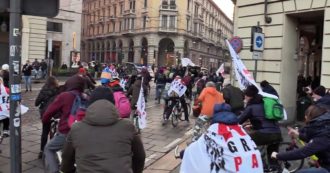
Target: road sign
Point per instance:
(258, 42)
(237, 44)
(256, 55)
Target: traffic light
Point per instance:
(43, 8)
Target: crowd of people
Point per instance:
(230, 126)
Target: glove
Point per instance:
(274, 155)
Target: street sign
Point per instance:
(237, 44)
(257, 55)
(258, 42)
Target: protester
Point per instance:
(62, 104)
(207, 99)
(134, 92)
(89, 82)
(316, 134)
(27, 72)
(45, 97)
(160, 80)
(4, 73)
(264, 131)
(102, 126)
(225, 147)
(233, 96)
(267, 88)
(5, 121)
(44, 66)
(321, 98)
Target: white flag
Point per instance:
(221, 70)
(141, 109)
(244, 77)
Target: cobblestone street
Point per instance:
(158, 140)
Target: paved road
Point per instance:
(158, 140)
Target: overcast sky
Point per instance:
(226, 6)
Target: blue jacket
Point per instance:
(255, 112)
(223, 115)
(317, 134)
(324, 102)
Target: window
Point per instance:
(115, 10)
(132, 5)
(188, 21)
(144, 24)
(195, 28)
(132, 23)
(172, 22)
(113, 26)
(172, 4)
(196, 10)
(54, 26)
(121, 8)
(188, 6)
(164, 21)
(145, 3)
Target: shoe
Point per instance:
(6, 133)
(40, 155)
(164, 122)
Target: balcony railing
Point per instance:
(167, 29)
(130, 11)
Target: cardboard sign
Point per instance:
(177, 87)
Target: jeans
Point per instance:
(28, 84)
(313, 170)
(44, 135)
(159, 89)
(50, 156)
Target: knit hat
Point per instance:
(251, 91)
(5, 67)
(319, 91)
(226, 82)
(81, 71)
(100, 93)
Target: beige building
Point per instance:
(297, 42)
(154, 31)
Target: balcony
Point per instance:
(144, 10)
(168, 30)
(101, 20)
(130, 11)
(128, 32)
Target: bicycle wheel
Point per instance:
(174, 116)
(293, 165)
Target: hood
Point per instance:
(211, 90)
(325, 100)
(75, 82)
(101, 113)
(223, 115)
(319, 126)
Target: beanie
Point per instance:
(251, 91)
(319, 91)
(101, 93)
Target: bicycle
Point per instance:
(177, 111)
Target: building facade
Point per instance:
(297, 43)
(154, 32)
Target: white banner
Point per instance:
(187, 62)
(4, 103)
(177, 87)
(141, 109)
(244, 77)
(221, 70)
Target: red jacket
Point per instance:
(62, 103)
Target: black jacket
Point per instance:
(5, 77)
(27, 70)
(234, 97)
(317, 134)
(45, 97)
(270, 90)
(324, 102)
(160, 79)
(255, 112)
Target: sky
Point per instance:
(226, 6)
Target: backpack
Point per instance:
(161, 78)
(122, 104)
(78, 109)
(273, 109)
(186, 80)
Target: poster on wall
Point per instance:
(75, 59)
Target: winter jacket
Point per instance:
(234, 97)
(160, 79)
(324, 102)
(63, 103)
(255, 112)
(134, 91)
(209, 97)
(102, 142)
(317, 135)
(27, 70)
(45, 97)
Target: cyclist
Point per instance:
(207, 99)
(174, 97)
(62, 105)
(316, 134)
(264, 131)
(224, 148)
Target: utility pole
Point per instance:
(15, 85)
